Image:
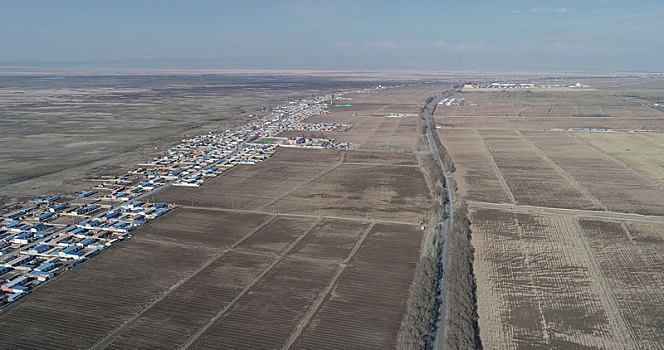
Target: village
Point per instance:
(574, 85)
(47, 236)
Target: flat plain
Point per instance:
(308, 249)
(566, 223)
(365, 115)
(60, 129)
(536, 286)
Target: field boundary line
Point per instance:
(609, 298)
(399, 150)
(313, 309)
(339, 163)
(104, 342)
(629, 234)
(375, 130)
(612, 215)
(485, 147)
(562, 171)
(383, 164)
(299, 215)
(244, 291)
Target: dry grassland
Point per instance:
(642, 152)
(61, 129)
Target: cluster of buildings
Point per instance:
(639, 131)
(319, 126)
(451, 101)
(400, 115)
(50, 235)
(199, 159)
(510, 86)
(522, 86)
(304, 142)
(47, 236)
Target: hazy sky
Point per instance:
(505, 35)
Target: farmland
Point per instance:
(62, 128)
(551, 104)
(330, 186)
(566, 224)
(369, 128)
(528, 165)
(310, 248)
(372, 132)
(648, 159)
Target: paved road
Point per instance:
(576, 212)
(445, 222)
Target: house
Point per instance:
(58, 207)
(86, 194)
(12, 284)
(24, 238)
(87, 209)
(45, 216)
(45, 266)
(13, 297)
(36, 250)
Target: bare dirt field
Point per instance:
(536, 284)
(630, 257)
(359, 189)
(545, 110)
(550, 272)
(360, 311)
(369, 128)
(308, 249)
(380, 192)
(230, 279)
(60, 129)
(98, 296)
(476, 173)
(542, 124)
(554, 169)
(532, 179)
(551, 104)
(369, 132)
(613, 184)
